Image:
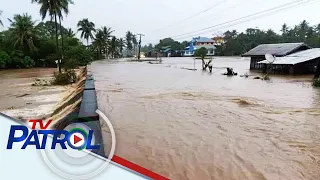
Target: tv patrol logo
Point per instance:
(71, 152)
(76, 138)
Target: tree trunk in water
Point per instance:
(317, 73)
(57, 42)
(61, 32)
(203, 64)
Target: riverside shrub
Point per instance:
(28, 62)
(64, 78)
(4, 59)
(316, 82)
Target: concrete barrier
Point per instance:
(86, 113)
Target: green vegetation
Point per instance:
(28, 43)
(175, 45)
(87, 28)
(54, 9)
(0, 19)
(201, 52)
(316, 82)
(147, 48)
(64, 78)
(239, 43)
(129, 36)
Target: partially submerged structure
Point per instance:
(302, 62)
(258, 53)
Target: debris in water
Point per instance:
(116, 90)
(230, 72)
(22, 95)
(191, 69)
(244, 102)
(246, 75)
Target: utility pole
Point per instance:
(139, 46)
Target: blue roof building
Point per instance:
(199, 42)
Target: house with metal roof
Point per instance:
(167, 51)
(258, 53)
(197, 43)
(302, 62)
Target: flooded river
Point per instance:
(187, 124)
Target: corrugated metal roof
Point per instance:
(274, 49)
(205, 39)
(296, 58)
(202, 39)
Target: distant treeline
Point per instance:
(27, 43)
(239, 43)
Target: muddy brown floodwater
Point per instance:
(195, 125)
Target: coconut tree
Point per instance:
(65, 8)
(0, 19)
(23, 31)
(202, 52)
(54, 8)
(87, 28)
(129, 41)
(121, 45)
(113, 46)
(134, 42)
(99, 42)
(107, 31)
(70, 33)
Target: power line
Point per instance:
(217, 12)
(231, 7)
(265, 11)
(220, 12)
(190, 17)
(268, 11)
(260, 16)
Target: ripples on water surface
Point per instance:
(195, 125)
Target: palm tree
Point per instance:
(65, 7)
(86, 27)
(129, 40)
(70, 33)
(107, 34)
(107, 31)
(318, 30)
(53, 8)
(0, 19)
(23, 31)
(135, 43)
(99, 43)
(121, 46)
(113, 46)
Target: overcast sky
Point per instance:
(169, 18)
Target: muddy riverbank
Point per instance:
(22, 100)
(193, 125)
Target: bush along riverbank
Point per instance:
(316, 82)
(72, 98)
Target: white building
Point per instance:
(197, 43)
